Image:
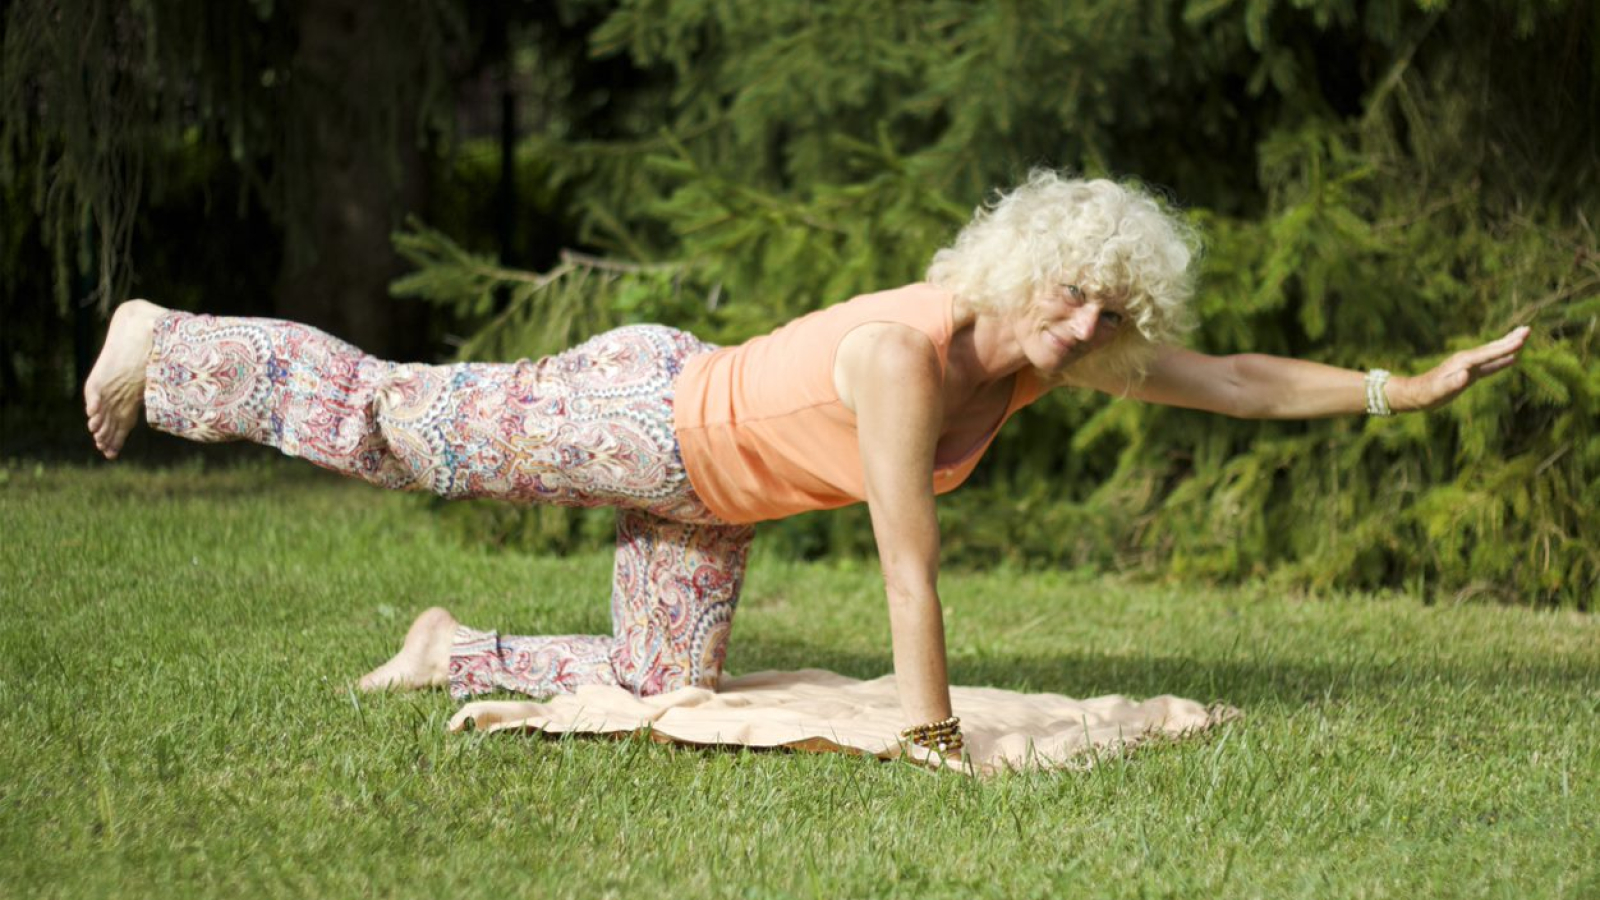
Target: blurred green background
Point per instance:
(1379, 183)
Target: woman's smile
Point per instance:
(1065, 346)
(1070, 324)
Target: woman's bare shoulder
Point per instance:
(885, 356)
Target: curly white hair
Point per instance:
(1112, 239)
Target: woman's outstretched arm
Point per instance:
(1258, 386)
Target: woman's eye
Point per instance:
(1111, 317)
(1076, 292)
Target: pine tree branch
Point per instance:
(1391, 79)
(573, 257)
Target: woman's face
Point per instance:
(1065, 322)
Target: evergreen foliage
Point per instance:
(1381, 184)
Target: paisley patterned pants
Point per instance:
(588, 427)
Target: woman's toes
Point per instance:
(424, 657)
(113, 392)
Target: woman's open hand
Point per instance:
(1441, 384)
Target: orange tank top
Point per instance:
(762, 430)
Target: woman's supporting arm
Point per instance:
(1258, 386)
(889, 375)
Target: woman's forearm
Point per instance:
(916, 625)
(1278, 387)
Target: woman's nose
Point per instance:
(1084, 320)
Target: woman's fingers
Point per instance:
(1495, 365)
(1441, 385)
(1479, 360)
(486, 714)
(1509, 344)
(1513, 340)
(1490, 357)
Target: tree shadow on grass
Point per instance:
(1241, 681)
(254, 472)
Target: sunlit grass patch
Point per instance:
(177, 646)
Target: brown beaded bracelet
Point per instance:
(943, 736)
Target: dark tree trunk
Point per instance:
(366, 174)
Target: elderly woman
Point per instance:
(889, 398)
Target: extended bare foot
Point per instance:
(115, 389)
(424, 659)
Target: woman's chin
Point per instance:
(1057, 357)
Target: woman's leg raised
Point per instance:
(588, 427)
(215, 379)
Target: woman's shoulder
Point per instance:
(916, 296)
(925, 307)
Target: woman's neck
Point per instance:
(984, 347)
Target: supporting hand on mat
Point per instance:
(485, 715)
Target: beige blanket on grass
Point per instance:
(817, 710)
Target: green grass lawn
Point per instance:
(176, 643)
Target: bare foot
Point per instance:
(115, 389)
(424, 659)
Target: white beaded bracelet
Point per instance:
(1377, 395)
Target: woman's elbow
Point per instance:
(1247, 390)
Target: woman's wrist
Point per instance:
(1402, 394)
(1387, 394)
(942, 736)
